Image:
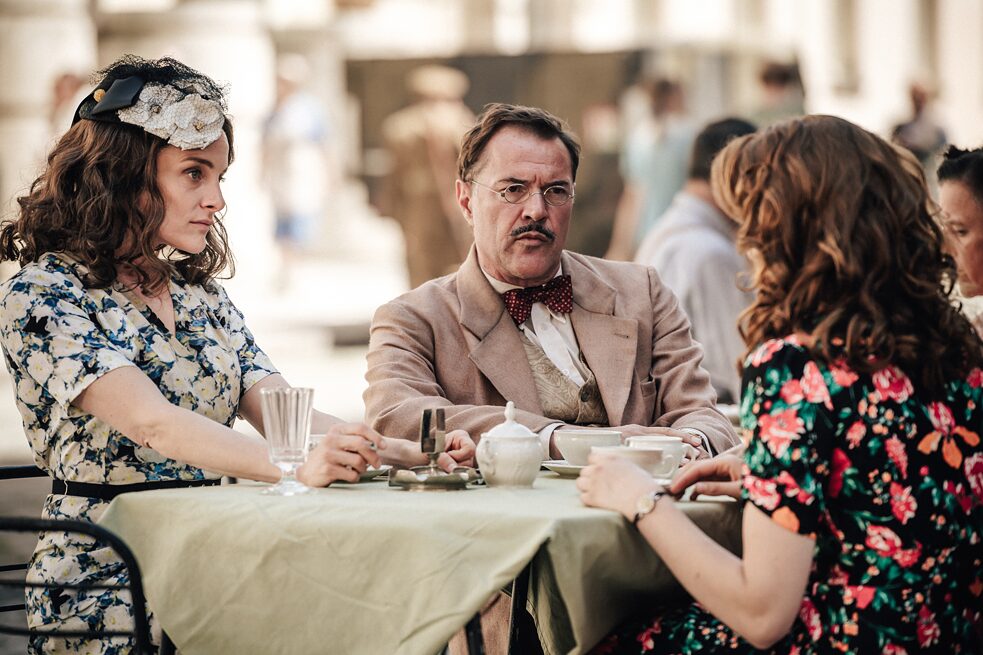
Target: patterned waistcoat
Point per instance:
(559, 396)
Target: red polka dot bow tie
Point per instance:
(556, 294)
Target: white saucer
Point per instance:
(563, 468)
(372, 473)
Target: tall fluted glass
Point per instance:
(287, 422)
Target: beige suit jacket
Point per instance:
(450, 343)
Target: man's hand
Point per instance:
(346, 450)
(719, 476)
(459, 451)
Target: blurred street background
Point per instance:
(313, 82)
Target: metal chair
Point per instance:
(141, 625)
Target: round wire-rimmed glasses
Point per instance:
(516, 193)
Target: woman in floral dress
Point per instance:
(130, 362)
(862, 480)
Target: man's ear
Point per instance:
(463, 190)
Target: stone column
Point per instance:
(39, 40)
(228, 40)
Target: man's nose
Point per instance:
(534, 207)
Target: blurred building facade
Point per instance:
(856, 57)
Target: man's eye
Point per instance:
(515, 188)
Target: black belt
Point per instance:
(109, 491)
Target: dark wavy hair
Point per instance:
(497, 115)
(964, 166)
(97, 199)
(846, 250)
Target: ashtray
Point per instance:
(427, 480)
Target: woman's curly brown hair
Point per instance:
(97, 200)
(837, 223)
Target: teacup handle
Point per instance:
(691, 451)
(672, 459)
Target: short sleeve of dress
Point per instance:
(787, 409)
(49, 333)
(255, 364)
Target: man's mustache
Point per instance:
(534, 227)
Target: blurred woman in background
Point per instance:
(961, 197)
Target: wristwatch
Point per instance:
(645, 504)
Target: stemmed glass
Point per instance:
(287, 421)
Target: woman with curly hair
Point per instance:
(862, 404)
(961, 197)
(129, 360)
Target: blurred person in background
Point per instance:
(296, 164)
(653, 167)
(423, 141)
(961, 197)
(692, 248)
(863, 402)
(66, 93)
(782, 93)
(921, 134)
(130, 362)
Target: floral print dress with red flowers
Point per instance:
(889, 484)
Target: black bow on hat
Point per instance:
(108, 98)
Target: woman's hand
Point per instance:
(719, 476)
(346, 450)
(612, 482)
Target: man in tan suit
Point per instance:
(572, 340)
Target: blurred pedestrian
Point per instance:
(782, 93)
(66, 93)
(921, 134)
(653, 166)
(423, 141)
(296, 164)
(692, 247)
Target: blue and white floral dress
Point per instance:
(58, 337)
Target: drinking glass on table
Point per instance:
(287, 422)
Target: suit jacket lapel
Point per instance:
(608, 343)
(499, 354)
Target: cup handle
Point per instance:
(691, 451)
(674, 464)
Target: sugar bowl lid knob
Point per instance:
(510, 427)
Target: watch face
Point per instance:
(645, 504)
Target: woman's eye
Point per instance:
(194, 173)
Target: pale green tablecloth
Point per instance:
(369, 569)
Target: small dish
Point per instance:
(372, 473)
(563, 468)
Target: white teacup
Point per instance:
(657, 462)
(673, 445)
(575, 445)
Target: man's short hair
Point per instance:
(712, 140)
(497, 115)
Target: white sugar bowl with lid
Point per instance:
(509, 455)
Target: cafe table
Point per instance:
(366, 568)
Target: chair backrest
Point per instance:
(141, 625)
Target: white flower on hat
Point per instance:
(186, 121)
